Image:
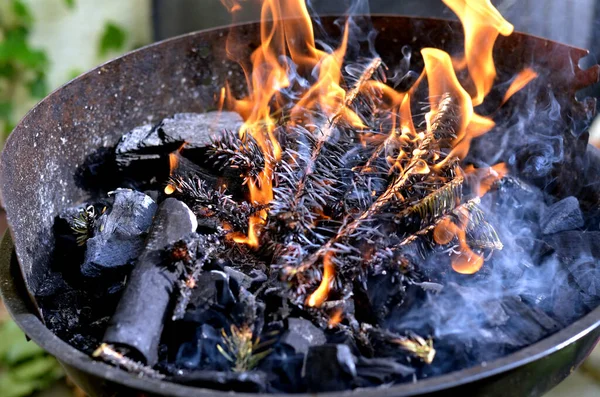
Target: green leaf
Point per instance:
(34, 369)
(21, 11)
(7, 70)
(5, 114)
(38, 87)
(15, 48)
(70, 3)
(113, 39)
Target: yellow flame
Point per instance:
(482, 23)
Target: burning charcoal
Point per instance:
(245, 382)
(248, 310)
(302, 334)
(377, 371)
(139, 317)
(329, 368)
(561, 216)
(119, 233)
(195, 130)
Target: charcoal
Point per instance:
(201, 352)
(241, 278)
(377, 371)
(526, 324)
(119, 233)
(561, 216)
(329, 368)
(248, 310)
(243, 382)
(251, 281)
(571, 245)
(586, 275)
(212, 289)
(285, 367)
(140, 315)
(194, 129)
(302, 334)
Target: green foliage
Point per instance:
(70, 3)
(24, 366)
(21, 65)
(113, 39)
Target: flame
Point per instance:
(280, 38)
(465, 261)
(335, 318)
(317, 298)
(173, 166)
(288, 48)
(482, 23)
(522, 79)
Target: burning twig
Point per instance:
(207, 202)
(108, 353)
(311, 178)
(209, 244)
(241, 153)
(437, 133)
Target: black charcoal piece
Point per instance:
(140, 314)
(525, 324)
(212, 289)
(376, 371)
(119, 233)
(193, 129)
(561, 216)
(329, 368)
(202, 352)
(572, 245)
(302, 334)
(241, 278)
(586, 274)
(285, 367)
(244, 382)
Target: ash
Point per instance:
(335, 254)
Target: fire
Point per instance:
(173, 166)
(288, 48)
(336, 318)
(482, 23)
(523, 78)
(317, 298)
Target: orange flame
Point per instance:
(335, 318)
(482, 23)
(465, 261)
(287, 43)
(317, 298)
(522, 79)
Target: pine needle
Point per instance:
(83, 225)
(241, 348)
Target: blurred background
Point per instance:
(45, 43)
